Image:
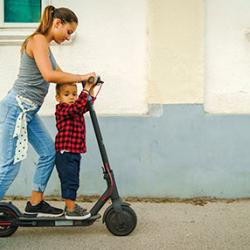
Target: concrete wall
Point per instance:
(181, 153)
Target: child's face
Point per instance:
(68, 94)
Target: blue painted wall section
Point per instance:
(175, 151)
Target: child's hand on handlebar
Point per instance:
(89, 85)
(91, 90)
(88, 80)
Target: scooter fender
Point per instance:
(11, 207)
(114, 206)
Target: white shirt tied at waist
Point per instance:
(21, 128)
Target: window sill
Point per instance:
(16, 36)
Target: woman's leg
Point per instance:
(8, 170)
(41, 141)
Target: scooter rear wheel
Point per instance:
(7, 218)
(121, 223)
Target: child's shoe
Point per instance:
(77, 214)
(83, 209)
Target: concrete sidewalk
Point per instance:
(173, 226)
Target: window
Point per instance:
(25, 11)
(19, 18)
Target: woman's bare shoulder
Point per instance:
(39, 38)
(36, 41)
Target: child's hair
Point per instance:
(49, 14)
(59, 86)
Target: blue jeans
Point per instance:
(38, 137)
(68, 167)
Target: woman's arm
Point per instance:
(39, 50)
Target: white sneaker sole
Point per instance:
(78, 217)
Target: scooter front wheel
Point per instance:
(7, 219)
(121, 223)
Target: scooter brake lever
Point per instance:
(99, 81)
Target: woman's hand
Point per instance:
(84, 78)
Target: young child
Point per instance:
(70, 143)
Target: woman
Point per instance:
(19, 122)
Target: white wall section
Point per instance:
(227, 56)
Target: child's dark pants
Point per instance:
(68, 167)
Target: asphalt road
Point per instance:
(173, 226)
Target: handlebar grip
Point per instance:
(97, 80)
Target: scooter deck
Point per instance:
(61, 221)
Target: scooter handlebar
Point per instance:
(97, 80)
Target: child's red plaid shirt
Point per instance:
(70, 124)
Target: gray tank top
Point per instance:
(30, 82)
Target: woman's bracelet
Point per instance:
(86, 90)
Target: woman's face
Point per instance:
(63, 31)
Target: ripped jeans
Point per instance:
(38, 137)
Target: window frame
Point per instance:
(18, 25)
(15, 33)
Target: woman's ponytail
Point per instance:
(46, 20)
(45, 24)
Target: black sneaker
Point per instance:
(77, 214)
(43, 209)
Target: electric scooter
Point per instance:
(119, 218)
